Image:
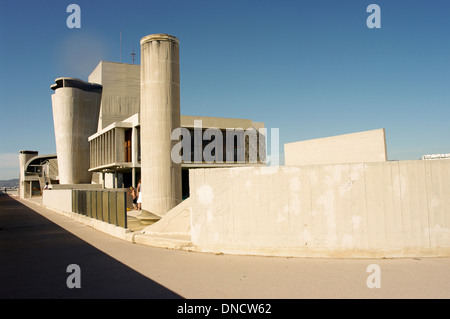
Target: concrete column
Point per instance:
(160, 115)
(134, 147)
(76, 107)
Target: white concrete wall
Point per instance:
(58, 200)
(367, 146)
(348, 210)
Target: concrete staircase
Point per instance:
(135, 221)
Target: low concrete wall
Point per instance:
(385, 209)
(58, 200)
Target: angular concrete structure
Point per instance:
(120, 91)
(160, 115)
(76, 106)
(366, 146)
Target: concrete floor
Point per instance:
(37, 245)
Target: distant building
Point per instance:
(35, 171)
(436, 156)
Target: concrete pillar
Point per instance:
(134, 147)
(160, 115)
(24, 157)
(76, 107)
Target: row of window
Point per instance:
(192, 146)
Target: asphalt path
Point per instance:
(37, 246)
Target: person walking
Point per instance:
(133, 194)
(139, 199)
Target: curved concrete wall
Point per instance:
(160, 115)
(385, 209)
(75, 118)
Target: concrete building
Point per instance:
(436, 156)
(118, 128)
(336, 197)
(35, 171)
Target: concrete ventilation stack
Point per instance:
(24, 157)
(76, 107)
(160, 115)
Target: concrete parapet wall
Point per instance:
(385, 209)
(59, 200)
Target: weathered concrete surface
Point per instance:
(176, 222)
(381, 209)
(160, 115)
(367, 146)
(75, 118)
(58, 199)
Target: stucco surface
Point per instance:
(399, 208)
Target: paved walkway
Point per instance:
(37, 245)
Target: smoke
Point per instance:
(79, 53)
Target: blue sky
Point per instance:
(310, 68)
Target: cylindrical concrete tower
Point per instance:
(160, 115)
(24, 157)
(76, 108)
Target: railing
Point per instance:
(109, 206)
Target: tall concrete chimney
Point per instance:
(76, 107)
(160, 115)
